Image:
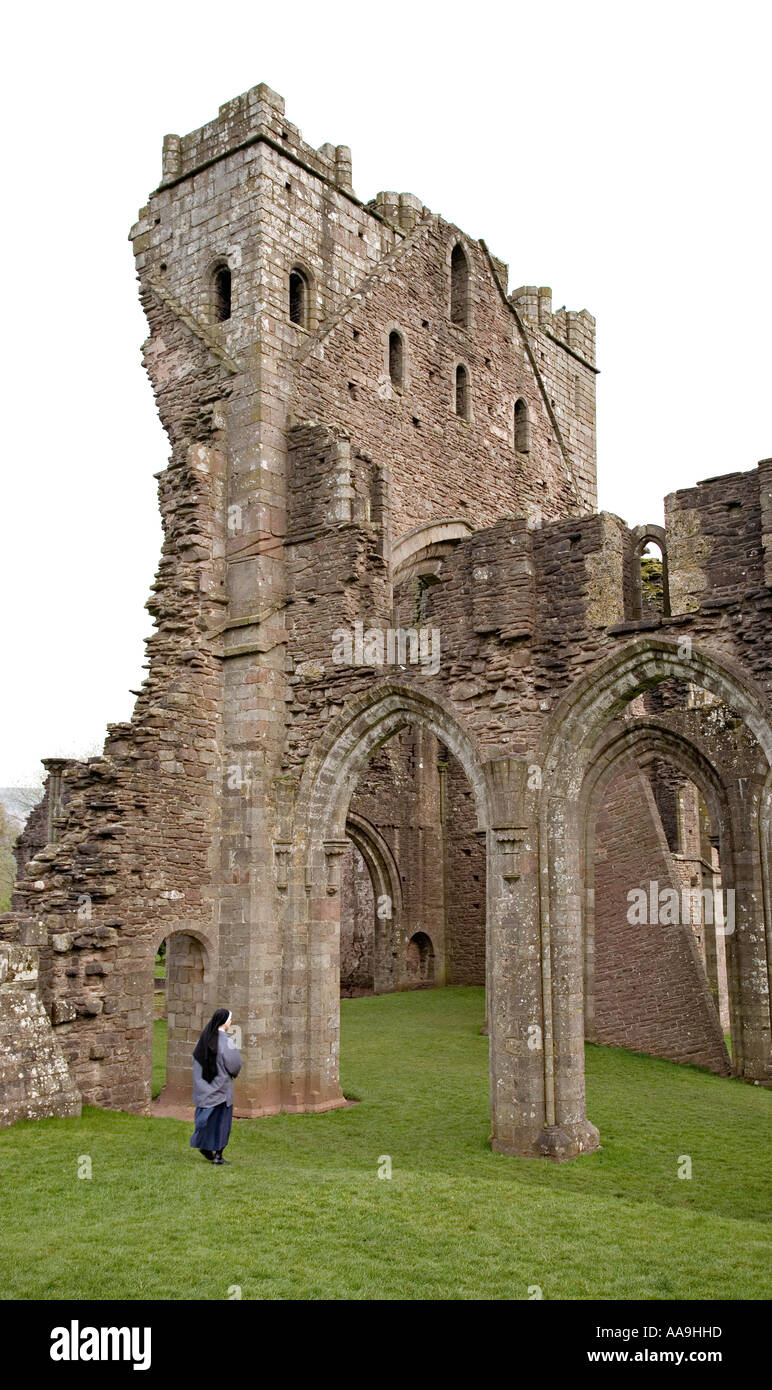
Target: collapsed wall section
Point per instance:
(34, 1080)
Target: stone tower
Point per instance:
(246, 203)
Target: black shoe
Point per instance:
(218, 1158)
(208, 1154)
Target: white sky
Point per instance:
(618, 153)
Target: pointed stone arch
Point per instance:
(589, 705)
(322, 819)
(387, 891)
(368, 720)
(576, 727)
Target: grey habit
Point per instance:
(220, 1089)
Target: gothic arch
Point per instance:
(387, 891)
(311, 959)
(589, 705)
(344, 750)
(421, 538)
(576, 727)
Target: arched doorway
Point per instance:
(180, 1009)
(323, 823)
(578, 726)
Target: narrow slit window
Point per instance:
(221, 294)
(396, 360)
(459, 286)
(298, 298)
(462, 392)
(522, 427)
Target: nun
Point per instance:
(216, 1060)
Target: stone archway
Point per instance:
(188, 975)
(322, 821)
(576, 728)
(310, 877)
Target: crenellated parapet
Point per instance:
(257, 115)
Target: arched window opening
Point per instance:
(462, 391)
(221, 293)
(424, 585)
(459, 286)
(396, 360)
(652, 581)
(298, 298)
(420, 960)
(522, 427)
(647, 593)
(651, 598)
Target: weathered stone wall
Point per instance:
(34, 1080)
(414, 431)
(650, 989)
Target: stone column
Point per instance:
(513, 974)
(250, 939)
(746, 940)
(568, 1130)
(311, 988)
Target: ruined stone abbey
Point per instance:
(415, 712)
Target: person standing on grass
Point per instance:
(216, 1060)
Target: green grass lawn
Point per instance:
(302, 1213)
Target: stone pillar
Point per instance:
(254, 728)
(384, 942)
(311, 988)
(569, 1132)
(568, 1129)
(513, 965)
(712, 881)
(250, 932)
(746, 944)
(515, 1022)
